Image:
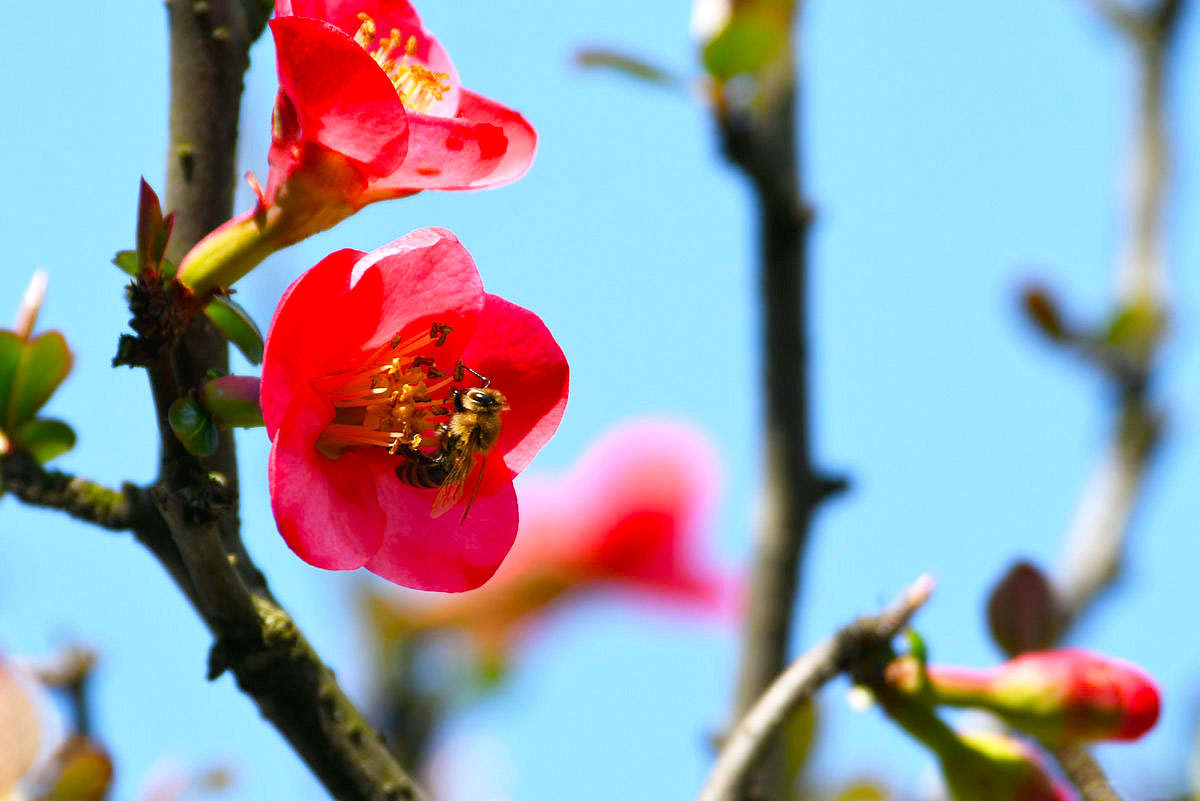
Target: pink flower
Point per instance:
(629, 516)
(368, 360)
(20, 735)
(370, 107)
(1062, 696)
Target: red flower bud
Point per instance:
(376, 374)
(1062, 696)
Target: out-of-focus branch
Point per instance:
(856, 642)
(1092, 553)
(1086, 774)
(760, 139)
(70, 671)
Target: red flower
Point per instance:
(364, 80)
(629, 516)
(1062, 696)
(369, 108)
(368, 360)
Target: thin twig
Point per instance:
(1086, 774)
(795, 686)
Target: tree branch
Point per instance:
(761, 141)
(1094, 543)
(855, 643)
(80, 498)
(197, 498)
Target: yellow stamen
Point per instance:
(419, 87)
(365, 35)
(395, 401)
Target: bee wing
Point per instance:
(474, 492)
(451, 490)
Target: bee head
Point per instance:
(481, 399)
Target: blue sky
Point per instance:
(953, 150)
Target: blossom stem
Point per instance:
(228, 253)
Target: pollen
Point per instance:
(419, 87)
(395, 402)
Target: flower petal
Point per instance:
(647, 491)
(486, 145)
(327, 510)
(522, 139)
(303, 341)
(340, 96)
(443, 554)
(386, 13)
(515, 350)
(424, 274)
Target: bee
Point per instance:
(473, 428)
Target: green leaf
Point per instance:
(797, 737)
(621, 62)
(127, 261)
(862, 790)
(1133, 326)
(11, 348)
(193, 427)
(916, 647)
(747, 44)
(45, 438)
(43, 365)
(233, 321)
(84, 772)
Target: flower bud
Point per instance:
(978, 766)
(988, 766)
(193, 427)
(232, 400)
(1063, 696)
(1021, 610)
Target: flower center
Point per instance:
(396, 401)
(418, 86)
